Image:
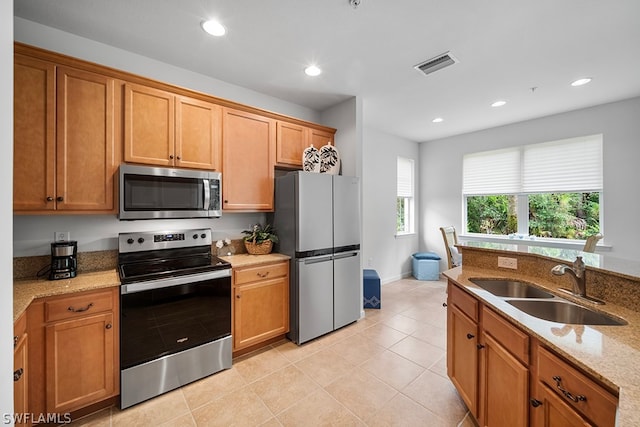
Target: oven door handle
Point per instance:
(173, 281)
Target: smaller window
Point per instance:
(405, 197)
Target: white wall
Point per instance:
(619, 122)
(347, 118)
(6, 210)
(389, 255)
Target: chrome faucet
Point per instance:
(578, 272)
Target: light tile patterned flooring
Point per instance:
(388, 369)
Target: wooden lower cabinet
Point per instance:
(260, 304)
(20, 372)
(506, 378)
(74, 349)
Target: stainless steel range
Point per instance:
(175, 312)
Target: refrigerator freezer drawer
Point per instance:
(314, 316)
(347, 295)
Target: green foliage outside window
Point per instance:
(400, 216)
(492, 214)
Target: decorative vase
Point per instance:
(261, 248)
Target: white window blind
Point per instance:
(491, 172)
(569, 165)
(405, 177)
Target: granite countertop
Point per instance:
(245, 260)
(609, 353)
(26, 290)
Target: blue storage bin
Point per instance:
(426, 266)
(371, 289)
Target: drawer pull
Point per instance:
(480, 346)
(108, 326)
(263, 275)
(18, 374)
(469, 336)
(15, 342)
(80, 310)
(567, 394)
(535, 403)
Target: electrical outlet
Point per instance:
(61, 236)
(508, 262)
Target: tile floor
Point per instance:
(388, 369)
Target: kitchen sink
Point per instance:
(565, 312)
(511, 288)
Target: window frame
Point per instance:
(408, 197)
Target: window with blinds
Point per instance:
(546, 190)
(405, 196)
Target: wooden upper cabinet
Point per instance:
(292, 139)
(66, 141)
(33, 134)
(248, 157)
(165, 129)
(198, 134)
(149, 117)
(86, 143)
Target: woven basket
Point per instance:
(259, 248)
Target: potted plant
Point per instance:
(260, 239)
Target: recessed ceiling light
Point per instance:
(438, 120)
(214, 28)
(312, 71)
(581, 82)
(498, 103)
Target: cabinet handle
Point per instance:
(535, 403)
(49, 199)
(444, 304)
(15, 341)
(60, 198)
(171, 156)
(79, 310)
(178, 157)
(108, 326)
(480, 346)
(238, 296)
(226, 201)
(469, 336)
(18, 374)
(567, 394)
(263, 275)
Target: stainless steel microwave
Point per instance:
(157, 192)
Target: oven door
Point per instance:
(153, 192)
(163, 317)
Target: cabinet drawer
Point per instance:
(69, 307)
(511, 338)
(580, 392)
(465, 302)
(261, 272)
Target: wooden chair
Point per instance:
(590, 243)
(450, 240)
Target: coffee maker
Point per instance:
(64, 260)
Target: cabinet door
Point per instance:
(149, 118)
(291, 140)
(261, 311)
(20, 379)
(80, 367)
(33, 134)
(462, 356)
(86, 141)
(318, 138)
(551, 411)
(198, 134)
(248, 148)
(502, 375)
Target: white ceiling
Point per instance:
(504, 48)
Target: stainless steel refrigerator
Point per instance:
(317, 217)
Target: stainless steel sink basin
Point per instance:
(565, 312)
(511, 288)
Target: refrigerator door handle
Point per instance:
(317, 260)
(347, 255)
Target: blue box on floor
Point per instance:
(426, 266)
(371, 289)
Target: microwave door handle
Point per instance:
(207, 194)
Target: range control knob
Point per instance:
(140, 240)
(130, 241)
(203, 235)
(195, 236)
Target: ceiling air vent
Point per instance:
(436, 63)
